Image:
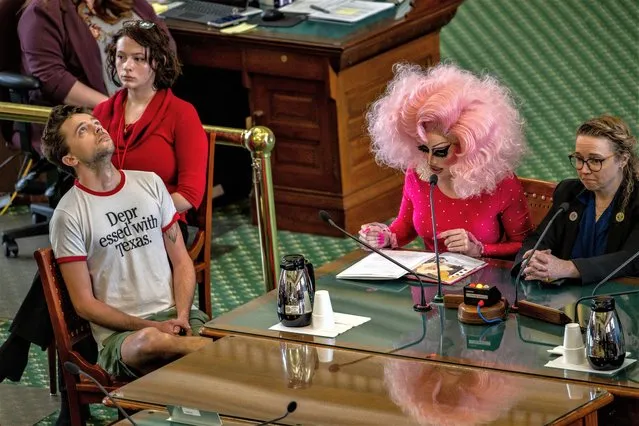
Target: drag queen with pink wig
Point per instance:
(467, 131)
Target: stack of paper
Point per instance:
(375, 267)
(347, 11)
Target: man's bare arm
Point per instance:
(183, 271)
(78, 281)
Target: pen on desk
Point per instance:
(320, 9)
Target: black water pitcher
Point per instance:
(295, 291)
(605, 346)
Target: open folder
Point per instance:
(453, 266)
(347, 11)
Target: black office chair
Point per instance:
(15, 87)
(33, 165)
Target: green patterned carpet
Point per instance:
(565, 60)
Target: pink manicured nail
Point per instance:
(380, 239)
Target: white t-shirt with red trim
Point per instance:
(120, 235)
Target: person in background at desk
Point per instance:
(153, 129)
(600, 229)
(467, 131)
(64, 45)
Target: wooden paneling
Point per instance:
(298, 112)
(370, 192)
(322, 157)
(285, 63)
(193, 49)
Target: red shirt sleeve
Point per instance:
(402, 226)
(191, 151)
(515, 218)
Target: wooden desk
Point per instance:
(255, 379)
(519, 345)
(311, 84)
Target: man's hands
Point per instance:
(461, 241)
(175, 326)
(543, 266)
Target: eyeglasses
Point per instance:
(145, 25)
(594, 164)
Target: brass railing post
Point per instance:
(258, 140)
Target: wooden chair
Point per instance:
(69, 329)
(200, 248)
(539, 195)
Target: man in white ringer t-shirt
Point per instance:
(116, 238)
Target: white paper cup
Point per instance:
(324, 322)
(322, 303)
(572, 337)
(576, 356)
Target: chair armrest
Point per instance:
(15, 81)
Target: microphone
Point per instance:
(562, 208)
(439, 297)
(75, 370)
(617, 269)
(422, 306)
(621, 293)
(602, 282)
(292, 406)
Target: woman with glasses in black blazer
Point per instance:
(600, 229)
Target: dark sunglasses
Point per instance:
(437, 152)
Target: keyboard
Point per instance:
(206, 8)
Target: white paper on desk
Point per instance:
(343, 322)
(375, 267)
(341, 10)
(586, 368)
(160, 7)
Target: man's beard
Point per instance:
(101, 159)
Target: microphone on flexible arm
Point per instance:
(605, 280)
(562, 208)
(292, 406)
(422, 306)
(75, 370)
(439, 297)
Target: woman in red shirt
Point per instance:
(153, 130)
(467, 131)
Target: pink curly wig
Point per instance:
(478, 113)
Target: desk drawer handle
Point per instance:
(284, 58)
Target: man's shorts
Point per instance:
(110, 357)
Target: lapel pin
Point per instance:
(573, 216)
